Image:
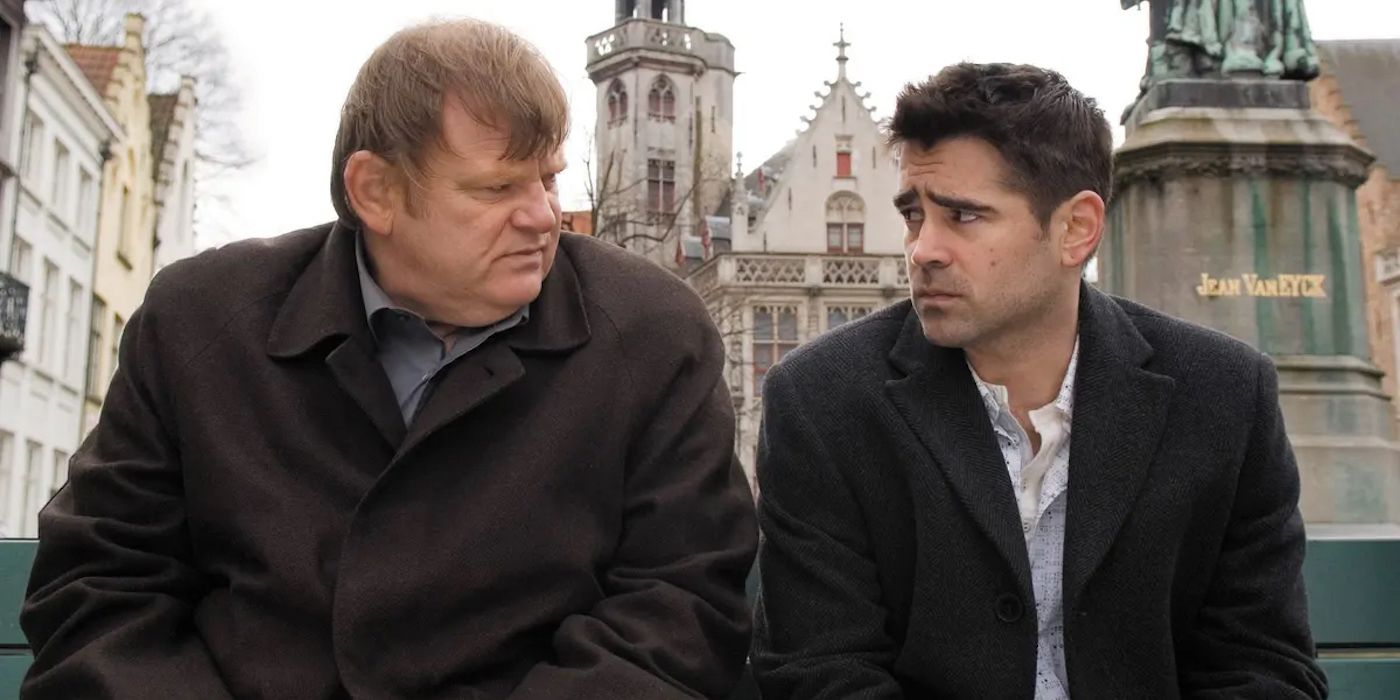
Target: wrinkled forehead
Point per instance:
(966, 162)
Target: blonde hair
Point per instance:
(394, 108)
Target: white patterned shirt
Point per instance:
(1039, 481)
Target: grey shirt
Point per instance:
(411, 354)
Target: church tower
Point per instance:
(662, 142)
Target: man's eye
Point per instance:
(912, 215)
(963, 216)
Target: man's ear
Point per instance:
(372, 186)
(1083, 220)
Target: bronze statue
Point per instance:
(1229, 39)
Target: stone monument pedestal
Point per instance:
(1234, 207)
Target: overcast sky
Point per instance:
(295, 63)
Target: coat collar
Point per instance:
(325, 302)
(1120, 410)
(323, 317)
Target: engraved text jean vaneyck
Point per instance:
(1249, 284)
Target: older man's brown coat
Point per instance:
(251, 518)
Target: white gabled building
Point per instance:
(810, 242)
(48, 232)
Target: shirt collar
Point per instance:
(994, 396)
(373, 295)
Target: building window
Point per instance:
(94, 366)
(845, 154)
(87, 201)
(59, 477)
(7, 460)
(72, 336)
(20, 252)
(33, 471)
(843, 164)
(845, 223)
(126, 231)
(774, 336)
(47, 313)
(33, 156)
(840, 315)
(661, 186)
(617, 103)
(118, 327)
(58, 197)
(661, 101)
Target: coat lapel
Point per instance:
(324, 307)
(558, 324)
(469, 382)
(1120, 411)
(360, 375)
(939, 401)
(324, 312)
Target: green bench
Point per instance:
(1354, 603)
(16, 556)
(1353, 593)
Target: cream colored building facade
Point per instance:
(126, 227)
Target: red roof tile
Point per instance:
(96, 62)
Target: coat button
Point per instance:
(1009, 608)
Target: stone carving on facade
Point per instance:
(1342, 165)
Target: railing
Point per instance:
(14, 307)
(797, 270)
(714, 50)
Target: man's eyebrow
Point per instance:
(910, 197)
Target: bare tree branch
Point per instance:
(621, 210)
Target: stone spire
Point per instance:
(841, 53)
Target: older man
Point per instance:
(432, 450)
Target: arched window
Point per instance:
(661, 101)
(617, 103)
(845, 223)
